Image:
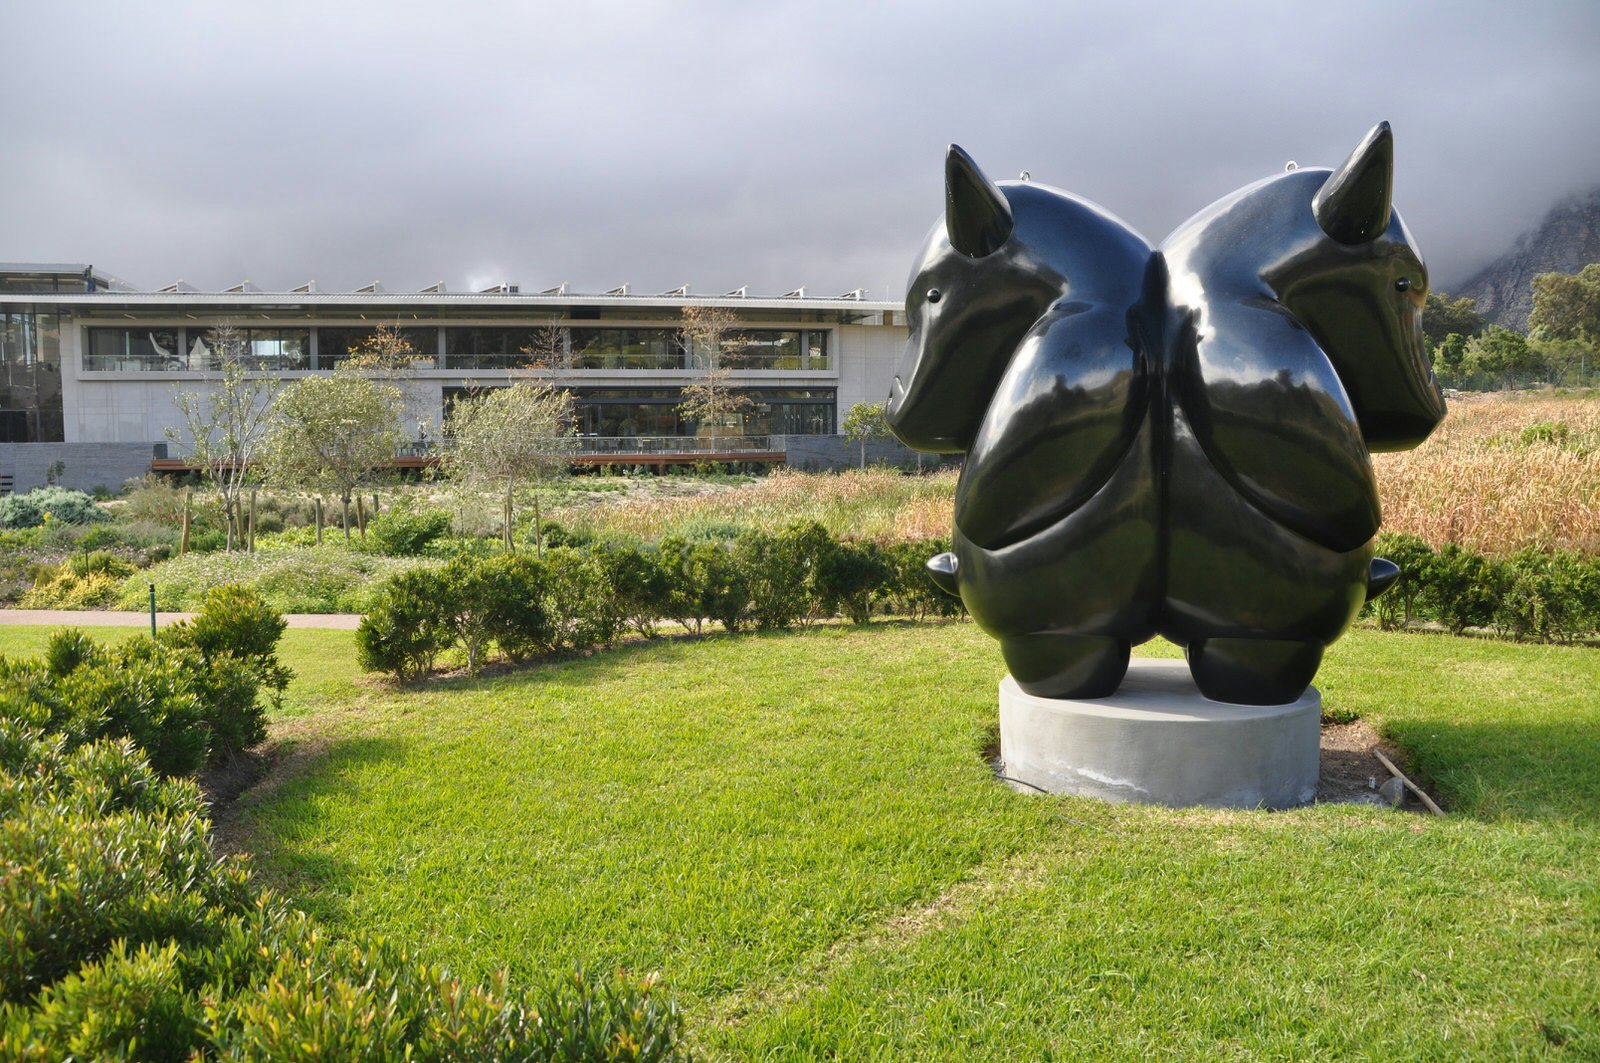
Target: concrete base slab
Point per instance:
(1157, 740)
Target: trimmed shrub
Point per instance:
(848, 576)
(780, 573)
(639, 586)
(520, 623)
(578, 598)
(236, 635)
(1415, 560)
(1460, 588)
(909, 590)
(470, 606)
(406, 629)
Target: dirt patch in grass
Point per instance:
(252, 778)
(1352, 774)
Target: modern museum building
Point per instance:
(91, 368)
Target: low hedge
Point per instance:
(1529, 595)
(573, 599)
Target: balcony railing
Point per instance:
(624, 447)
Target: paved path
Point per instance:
(117, 618)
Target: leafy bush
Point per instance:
(639, 585)
(407, 533)
(848, 575)
(908, 590)
(1414, 557)
(520, 623)
(49, 504)
(780, 572)
(702, 582)
(407, 627)
(193, 694)
(578, 598)
(236, 635)
(1460, 589)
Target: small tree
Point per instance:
(1566, 306)
(224, 426)
(505, 436)
(1442, 315)
(388, 356)
(866, 421)
(1504, 354)
(330, 432)
(712, 400)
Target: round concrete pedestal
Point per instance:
(1158, 741)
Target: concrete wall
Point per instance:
(84, 466)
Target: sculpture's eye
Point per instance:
(1403, 284)
(934, 295)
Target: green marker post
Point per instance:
(152, 610)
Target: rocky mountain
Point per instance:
(1567, 240)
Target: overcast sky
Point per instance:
(719, 144)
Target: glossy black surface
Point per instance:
(1167, 441)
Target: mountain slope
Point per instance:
(1567, 240)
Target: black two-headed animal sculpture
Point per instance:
(1169, 441)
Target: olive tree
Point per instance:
(711, 400)
(504, 437)
(330, 433)
(225, 425)
(866, 421)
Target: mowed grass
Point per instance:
(800, 833)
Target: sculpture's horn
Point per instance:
(976, 214)
(1352, 206)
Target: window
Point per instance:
(335, 344)
(30, 378)
(626, 348)
(504, 348)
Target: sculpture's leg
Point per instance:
(1066, 666)
(1253, 671)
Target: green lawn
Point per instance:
(800, 833)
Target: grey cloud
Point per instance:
(724, 144)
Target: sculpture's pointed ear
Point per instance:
(976, 214)
(1353, 204)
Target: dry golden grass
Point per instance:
(1477, 483)
(871, 504)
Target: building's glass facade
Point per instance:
(30, 377)
(628, 412)
(171, 349)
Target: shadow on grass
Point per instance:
(1508, 767)
(601, 664)
(270, 820)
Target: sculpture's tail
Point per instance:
(1381, 575)
(942, 570)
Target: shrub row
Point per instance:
(126, 936)
(1551, 597)
(573, 599)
